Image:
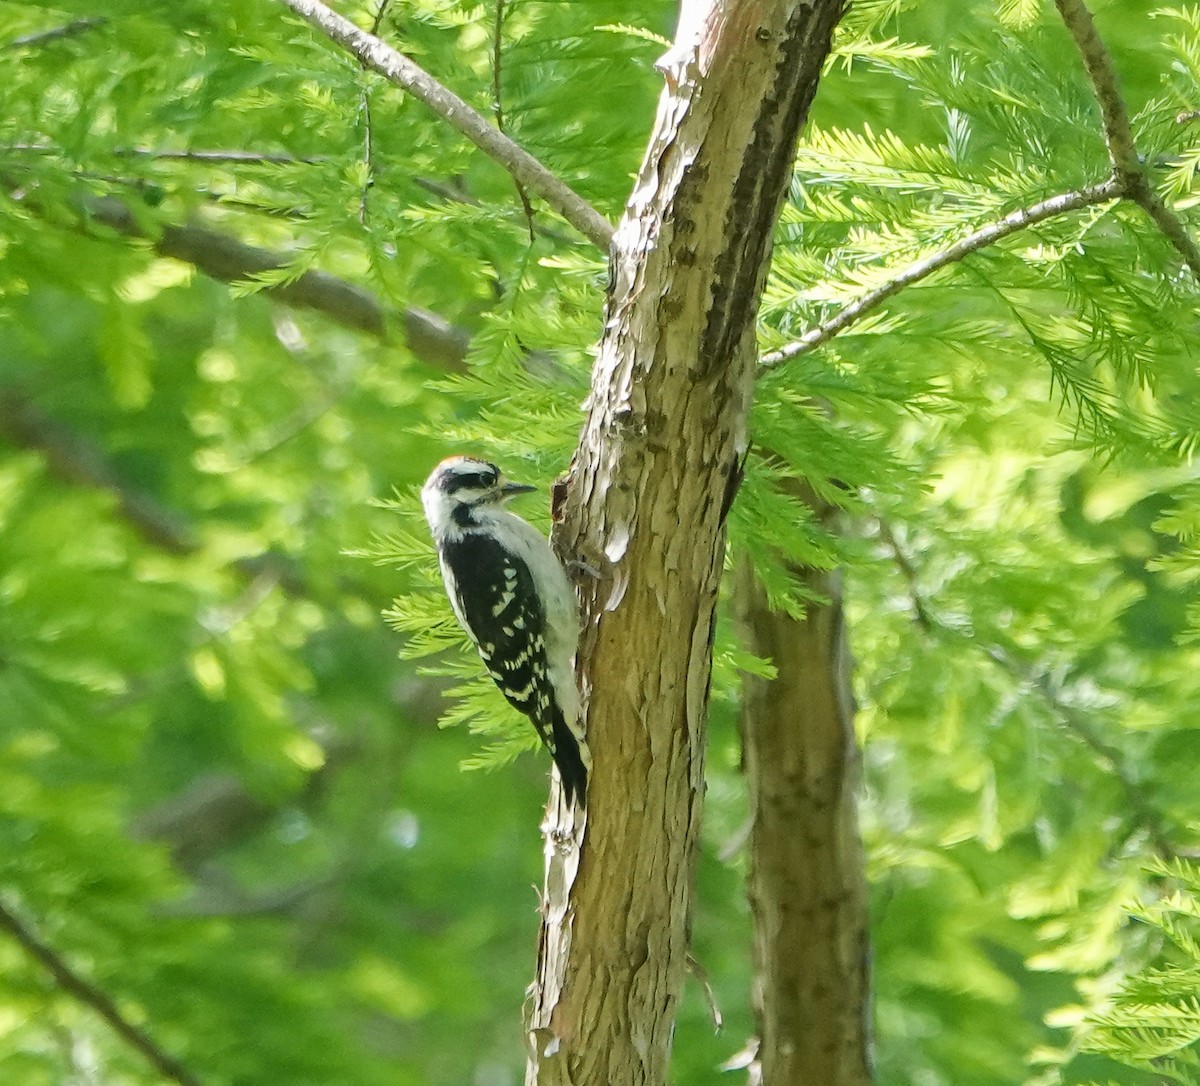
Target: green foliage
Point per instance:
(1009, 440)
(1152, 1020)
(225, 799)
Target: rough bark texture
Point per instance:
(645, 506)
(807, 889)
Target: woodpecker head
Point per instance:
(461, 487)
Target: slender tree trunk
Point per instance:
(645, 506)
(807, 889)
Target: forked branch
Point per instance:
(1128, 169)
(1130, 181)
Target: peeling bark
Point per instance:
(665, 430)
(806, 885)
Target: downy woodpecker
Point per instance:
(510, 593)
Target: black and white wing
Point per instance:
(494, 597)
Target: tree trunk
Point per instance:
(807, 890)
(645, 506)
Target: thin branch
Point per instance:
(498, 106)
(446, 191)
(223, 257)
(1012, 223)
(228, 260)
(232, 901)
(87, 993)
(693, 966)
(456, 193)
(238, 157)
(368, 158)
(380, 12)
(497, 70)
(400, 70)
(1109, 757)
(76, 461)
(1170, 224)
(57, 33)
(216, 811)
(368, 126)
(1118, 132)
(1128, 168)
(921, 614)
(80, 462)
(152, 193)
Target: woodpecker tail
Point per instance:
(572, 758)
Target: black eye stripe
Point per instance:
(470, 480)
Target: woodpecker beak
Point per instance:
(511, 490)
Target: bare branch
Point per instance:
(57, 33)
(228, 260)
(1169, 223)
(498, 105)
(368, 127)
(429, 337)
(1012, 223)
(1118, 133)
(238, 157)
(398, 69)
(904, 564)
(457, 193)
(76, 461)
(87, 993)
(1109, 757)
(497, 64)
(216, 811)
(700, 974)
(219, 157)
(225, 898)
(1128, 168)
